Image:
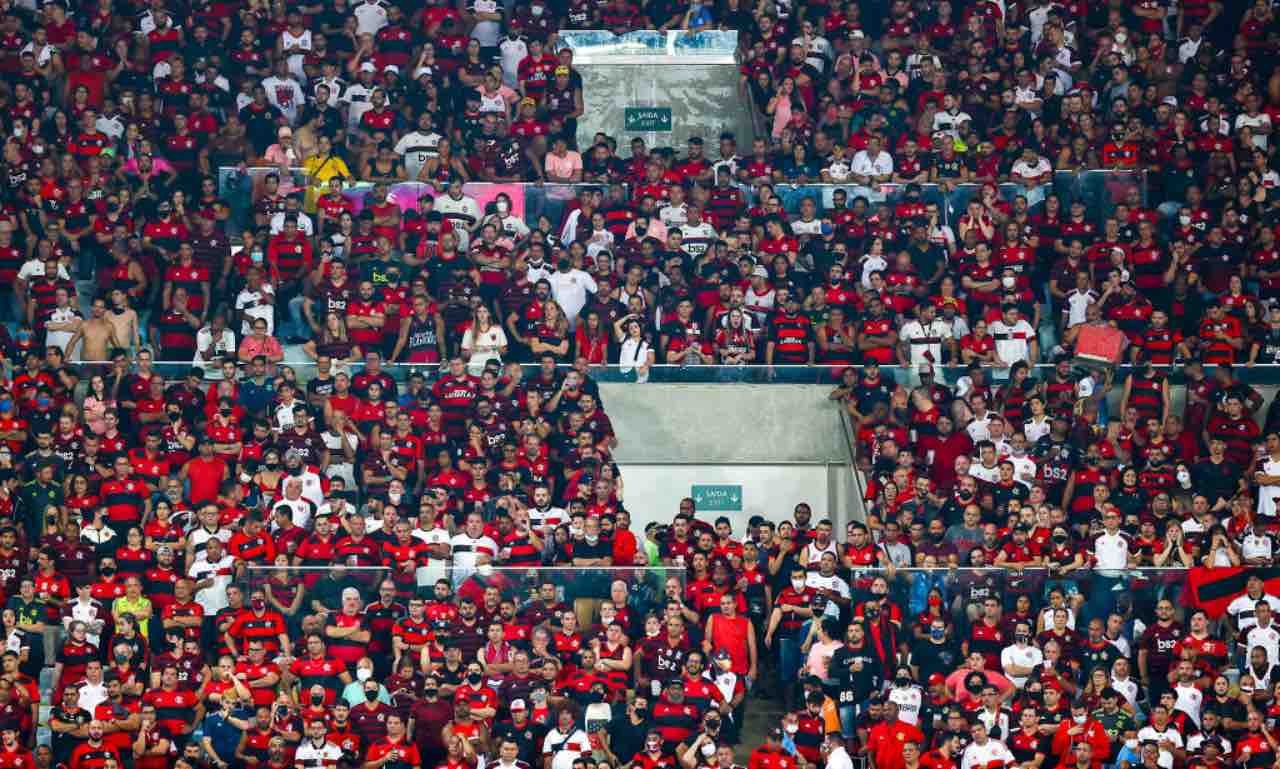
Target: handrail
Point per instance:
(850, 440)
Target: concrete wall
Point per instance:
(783, 444)
(724, 423)
(704, 100)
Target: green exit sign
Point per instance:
(717, 499)
(644, 119)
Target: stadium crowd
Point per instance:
(239, 567)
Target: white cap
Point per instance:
(420, 71)
(391, 68)
(368, 67)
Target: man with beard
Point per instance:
(94, 752)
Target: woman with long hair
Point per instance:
(591, 341)
(96, 404)
(334, 342)
(483, 341)
(635, 355)
(551, 335)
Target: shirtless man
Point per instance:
(125, 321)
(97, 334)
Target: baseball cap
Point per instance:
(368, 67)
(391, 68)
(936, 679)
(518, 705)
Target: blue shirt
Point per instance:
(224, 735)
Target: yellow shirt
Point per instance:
(124, 605)
(323, 169)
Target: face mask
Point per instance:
(797, 585)
(371, 694)
(122, 657)
(107, 571)
(1060, 539)
(902, 681)
(1079, 719)
(539, 697)
(317, 699)
(536, 10)
(474, 678)
(364, 674)
(295, 470)
(563, 264)
(1184, 220)
(1131, 744)
(708, 749)
(256, 256)
(937, 634)
(591, 539)
(713, 724)
(1022, 638)
(430, 691)
(793, 728)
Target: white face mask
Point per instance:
(708, 749)
(364, 674)
(1131, 744)
(793, 728)
(1079, 719)
(797, 585)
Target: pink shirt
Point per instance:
(563, 167)
(269, 347)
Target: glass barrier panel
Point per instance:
(643, 589)
(1100, 191)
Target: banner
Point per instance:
(1214, 588)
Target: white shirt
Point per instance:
(300, 511)
(286, 94)
(34, 268)
(416, 148)
(1128, 688)
(1187, 49)
(570, 290)
(60, 338)
(370, 17)
(980, 755)
(566, 748)
(540, 520)
(674, 215)
(1267, 495)
(1266, 637)
(467, 551)
(1189, 699)
(839, 758)
(865, 165)
(1077, 305)
(214, 597)
(304, 223)
(909, 700)
(834, 582)
(1255, 545)
(1242, 608)
(1027, 656)
(463, 212)
(1170, 734)
(327, 754)
(1260, 120)
(92, 695)
(1017, 344)
(250, 303)
(948, 123)
(224, 345)
(924, 343)
(1111, 551)
(984, 473)
(512, 51)
(1027, 170)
